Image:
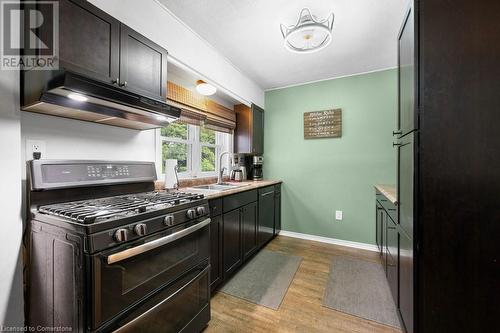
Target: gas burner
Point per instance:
(95, 210)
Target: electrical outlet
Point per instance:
(34, 146)
(338, 215)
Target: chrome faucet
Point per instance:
(221, 168)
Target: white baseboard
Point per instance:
(363, 246)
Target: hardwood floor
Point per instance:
(301, 310)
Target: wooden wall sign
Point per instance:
(323, 124)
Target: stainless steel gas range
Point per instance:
(106, 253)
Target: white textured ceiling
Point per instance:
(247, 33)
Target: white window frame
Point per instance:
(223, 142)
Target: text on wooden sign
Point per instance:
(323, 124)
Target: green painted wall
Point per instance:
(324, 175)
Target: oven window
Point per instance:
(139, 270)
(119, 285)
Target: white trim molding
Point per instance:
(341, 242)
(329, 78)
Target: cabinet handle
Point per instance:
(267, 193)
(397, 132)
(396, 144)
(115, 81)
(124, 84)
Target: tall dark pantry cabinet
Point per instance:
(448, 144)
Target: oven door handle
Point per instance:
(134, 251)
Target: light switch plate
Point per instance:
(338, 215)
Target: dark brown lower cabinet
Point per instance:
(396, 250)
(266, 215)
(379, 211)
(231, 241)
(215, 251)
(234, 230)
(392, 253)
(406, 281)
(249, 229)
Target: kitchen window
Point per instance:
(195, 148)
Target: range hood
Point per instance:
(47, 92)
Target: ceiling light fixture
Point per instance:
(308, 34)
(204, 88)
(77, 97)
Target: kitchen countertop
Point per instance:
(389, 191)
(210, 194)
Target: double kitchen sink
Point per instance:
(218, 187)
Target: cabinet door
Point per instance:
(266, 215)
(215, 251)
(406, 75)
(277, 214)
(405, 183)
(406, 281)
(257, 130)
(231, 241)
(249, 229)
(143, 65)
(89, 40)
(378, 226)
(392, 250)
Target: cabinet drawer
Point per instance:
(215, 207)
(238, 200)
(268, 190)
(389, 207)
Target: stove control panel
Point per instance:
(55, 174)
(143, 227)
(107, 171)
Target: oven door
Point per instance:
(125, 277)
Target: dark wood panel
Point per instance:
(406, 175)
(392, 252)
(215, 206)
(249, 229)
(232, 241)
(406, 281)
(277, 210)
(378, 226)
(406, 75)
(88, 40)
(458, 206)
(238, 200)
(266, 215)
(258, 130)
(216, 273)
(143, 65)
(249, 132)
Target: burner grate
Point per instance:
(89, 211)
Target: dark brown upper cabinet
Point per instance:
(406, 76)
(143, 64)
(98, 46)
(249, 132)
(89, 40)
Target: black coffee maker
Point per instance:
(256, 172)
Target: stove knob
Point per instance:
(121, 235)
(191, 214)
(200, 210)
(140, 229)
(169, 220)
